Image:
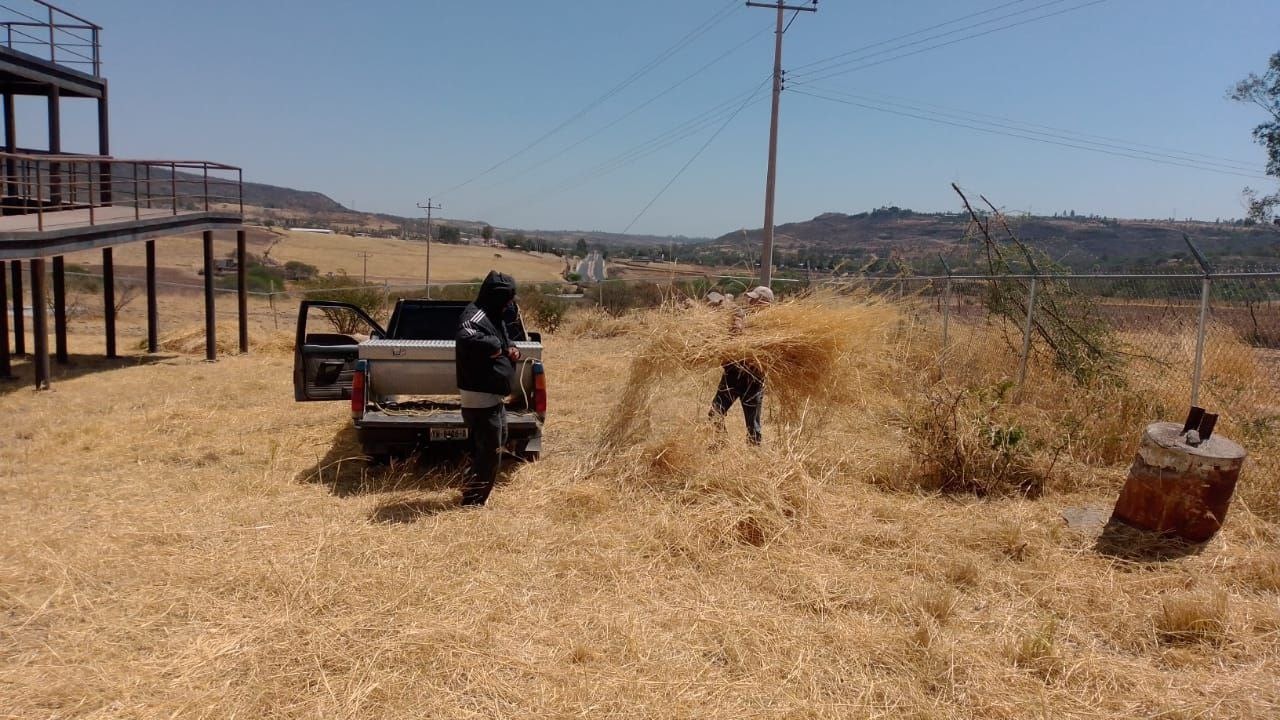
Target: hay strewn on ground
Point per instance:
(183, 540)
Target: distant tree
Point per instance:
(1263, 91)
(487, 232)
(448, 234)
(580, 247)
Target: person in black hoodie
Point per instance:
(485, 360)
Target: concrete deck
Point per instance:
(68, 231)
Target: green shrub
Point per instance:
(258, 278)
(298, 270)
(541, 311)
(372, 299)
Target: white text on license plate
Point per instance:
(448, 434)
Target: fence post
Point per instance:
(946, 302)
(946, 311)
(1026, 334)
(1206, 286)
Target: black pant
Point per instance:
(743, 384)
(488, 430)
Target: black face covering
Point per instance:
(495, 292)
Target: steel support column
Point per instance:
(19, 317)
(60, 310)
(242, 290)
(6, 367)
(109, 300)
(104, 147)
(40, 324)
(210, 326)
(10, 146)
(153, 315)
(55, 145)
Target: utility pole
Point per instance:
(766, 259)
(428, 207)
(364, 279)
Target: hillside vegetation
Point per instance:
(182, 539)
(1080, 243)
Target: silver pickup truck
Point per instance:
(401, 381)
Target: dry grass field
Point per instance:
(392, 260)
(181, 539)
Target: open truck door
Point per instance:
(327, 348)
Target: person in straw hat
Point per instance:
(740, 381)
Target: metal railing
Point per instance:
(47, 186)
(51, 33)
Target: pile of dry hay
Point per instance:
(809, 352)
(858, 391)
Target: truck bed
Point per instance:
(426, 367)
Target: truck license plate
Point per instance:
(448, 434)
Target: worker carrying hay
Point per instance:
(485, 361)
(742, 380)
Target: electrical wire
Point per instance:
(921, 31)
(572, 146)
(691, 160)
(680, 44)
(1023, 125)
(1131, 154)
(685, 129)
(858, 64)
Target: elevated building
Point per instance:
(53, 202)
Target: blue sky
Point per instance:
(379, 104)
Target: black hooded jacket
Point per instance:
(481, 342)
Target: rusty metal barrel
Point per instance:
(1180, 484)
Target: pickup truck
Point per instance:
(402, 382)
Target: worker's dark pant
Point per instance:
(488, 430)
(745, 385)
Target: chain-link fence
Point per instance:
(1208, 340)
(1211, 340)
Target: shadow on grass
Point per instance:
(346, 471)
(1122, 542)
(404, 511)
(24, 370)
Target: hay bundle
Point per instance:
(190, 340)
(807, 350)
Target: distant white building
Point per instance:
(318, 231)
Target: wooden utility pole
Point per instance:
(766, 255)
(428, 207)
(364, 279)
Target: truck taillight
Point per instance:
(357, 389)
(539, 389)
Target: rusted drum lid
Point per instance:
(1169, 437)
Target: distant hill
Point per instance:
(257, 194)
(1081, 243)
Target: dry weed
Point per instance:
(183, 540)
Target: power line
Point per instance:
(1129, 153)
(830, 72)
(1066, 135)
(685, 129)
(562, 152)
(921, 31)
(691, 160)
(906, 102)
(680, 44)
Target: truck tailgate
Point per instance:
(426, 367)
